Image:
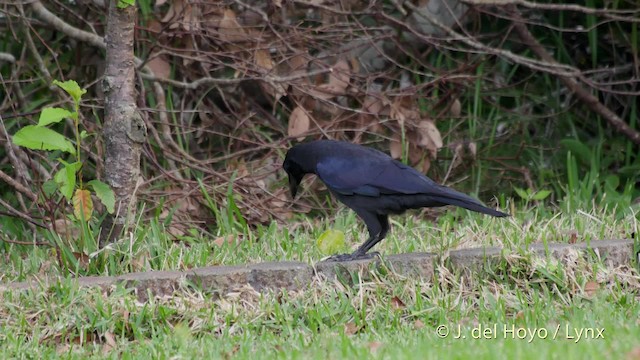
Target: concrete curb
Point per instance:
(298, 275)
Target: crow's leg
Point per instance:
(378, 226)
(382, 220)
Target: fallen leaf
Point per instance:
(573, 238)
(229, 28)
(339, 77)
(456, 108)
(263, 59)
(374, 346)
(159, 66)
(396, 303)
(429, 137)
(473, 149)
(177, 7)
(298, 123)
(519, 316)
(351, 328)
(228, 239)
(418, 324)
(298, 63)
(109, 342)
(338, 81)
(591, 287)
(395, 148)
(83, 259)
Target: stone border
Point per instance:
(298, 275)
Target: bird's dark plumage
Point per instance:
(372, 184)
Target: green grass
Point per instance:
(387, 316)
(152, 248)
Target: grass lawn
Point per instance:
(526, 308)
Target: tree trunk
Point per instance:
(124, 131)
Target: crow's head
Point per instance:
(295, 173)
(297, 165)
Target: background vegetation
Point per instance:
(532, 107)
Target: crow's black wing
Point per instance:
(372, 176)
(375, 174)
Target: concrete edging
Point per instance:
(297, 275)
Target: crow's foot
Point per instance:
(351, 257)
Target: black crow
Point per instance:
(372, 184)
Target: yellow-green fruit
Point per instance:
(331, 242)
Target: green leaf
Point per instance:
(49, 187)
(123, 4)
(53, 115)
(613, 181)
(66, 178)
(41, 138)
(105, 194)
(331, 242)
(72, 88)
(580, 150)
(84, 134)
(541, 195)
(524, 194)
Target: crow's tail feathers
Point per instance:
(452, 197)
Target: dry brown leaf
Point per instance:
(591, 287)
(82, 204)
(110, 341)
(519, 316)
(83, 259)
(159, 66)
(176, 8)
(395, 148)
(191, 18)
(429, 137)
(340, 75)
(418, 324)
(182, 14)
(263, 59)
(230, 29)
(397, 304)
(373, 105)
(456, 108)
(351, 328)
(298, 62)
(473, 149)
(228, 239)
(374, 346)
(298, 123)
(338, 81)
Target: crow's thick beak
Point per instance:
(293, 186)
